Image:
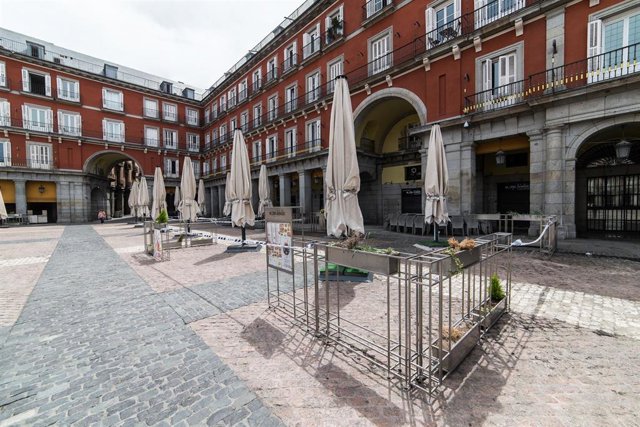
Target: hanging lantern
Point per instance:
(623, 149)
(500, 158)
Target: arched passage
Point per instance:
(607, 202)
(390, 161)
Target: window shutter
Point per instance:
(60, 122)
(25, 117)
(104, 129)
(104, 98)
(121, 98)
(59, 86)
(76, 91)
(594, 44)
(25, 80)
(79, 124)
(456, 9)
(3, 73)
(50, 120)
(47, 84)
(486, 75)
(430, 19)
(121, 132)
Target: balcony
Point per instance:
(409, 143)
(291, 105)
(374, 9)
(243, 95)
(151, 113)
(151, 142)
(68, 95)
(257, 85)
(41, 163)
(272, 76)
(69, 130)
(381, 64)
(170, 144)
(290, 64)
(334, 33)
(38, 125)
(108, 104)
(606, 67)
(170, 116)
(36, 86)
(312, 48)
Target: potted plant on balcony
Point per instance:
(335, 30)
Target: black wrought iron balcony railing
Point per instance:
(170, 116)
(372, 8)
(70, 130)
(112, 105)
(36, 88)
(496, 9)
(447, 31)
(608, 66)
(36, 125)
(68, 95)
(43, 162)
(334, 33)
(151, 142)
(312, 48)
(243, 94)
(272, 75)
(290, 63)
(257, 85)
(151, 113)
(291, 105)
(409, 143)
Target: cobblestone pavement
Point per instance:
(95, 344)
(118, 338)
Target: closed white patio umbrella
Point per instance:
(240, 183)
(436, 183)
(3, 208)
(188, 207)
(143, 197)
(176, 199)
(201, 198)
(263, 191)
(159, 194)
(133, 199)
(227, 196)
(343, 174)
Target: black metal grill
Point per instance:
(613, 204)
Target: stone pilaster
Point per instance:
(553, 173)
(221, 200)
(285, 189)
(467, 178)
(304, 185)
(21, 196)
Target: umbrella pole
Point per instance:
(435, 231)
(244, 235)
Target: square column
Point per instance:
(304, 184)
(21, 196)
(467, 178)
(220, 200)
(285, 189)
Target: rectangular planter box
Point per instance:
(495, 313)
(460, 349)
(467, 258)
(376, 263)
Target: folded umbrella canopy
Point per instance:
(159, 194)
(201, 198)
(227, 196)
(143, 197)
(240, 183)
(133, 199)
(3, 208)
(436, 183)
(343, 174)
(176, 198)
(188, 208)
(263, 190)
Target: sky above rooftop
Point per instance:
(193, 41)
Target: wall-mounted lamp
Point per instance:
(623, 149)
(501, 158)
(41, 189)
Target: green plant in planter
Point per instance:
(496, 291)
(162, 217)
(459, 265)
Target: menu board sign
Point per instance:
(279, 231)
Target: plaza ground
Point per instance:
(93, 331)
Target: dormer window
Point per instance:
(110, 71)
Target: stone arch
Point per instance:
(591, 128)
(108, 156)
(393, 92)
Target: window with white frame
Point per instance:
(272, 105)
(3, 74)
(151, 136)
(313, 87)
(192, 117)
(290, 57)
(112, 130)
(5, 113)
(233, 125)
(311, 41)
(290, 142)
(193, 142)
(223, 161)
(5, 152)
(196, 168)
(37, 118)
(214, 110)
(257, 80)
(500, 77)
(257, 151)
(272, 69)
(291, 98)
(169, 112)
(215, 165)
(171, 168)
(313, 135)
(244, 121)
(271, 147)
(335, 68)
(612, 44)
(69, 123)
(487, 11)
(243, 90)
(373, 7)
(68, 89)
(232, 97)
(380, 53)
(214, 136)
(223, 134)
(112, 99)
(257, 115)
(223, 103)
(206, 168)
(207, 115)
(36, 82)
(40, 156)
(334, 25)
(170, 138)
(150, 108)
(443, 22)
(207, 140)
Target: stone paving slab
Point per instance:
(95, 344)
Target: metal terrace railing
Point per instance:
(607, 66)
(373, 7)
(44, 162)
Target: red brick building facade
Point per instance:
(537, 101)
